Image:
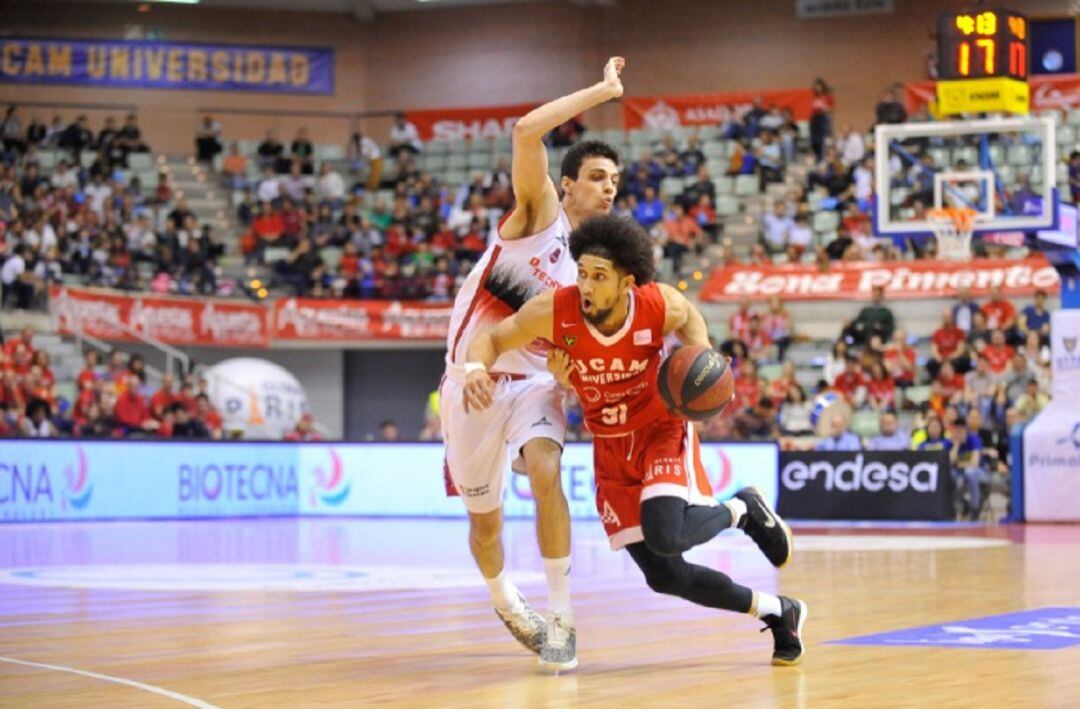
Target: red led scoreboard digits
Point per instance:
(983, 44)
(982, 62)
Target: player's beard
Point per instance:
(598, 316)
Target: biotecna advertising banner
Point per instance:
(84, 480)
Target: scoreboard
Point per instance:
(983, 58)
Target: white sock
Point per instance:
(558, 578)
(738, 509)
(764, 604)
(503, 593)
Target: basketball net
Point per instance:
(953, 227)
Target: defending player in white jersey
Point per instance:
(527, 418)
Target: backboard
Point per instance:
(1003, 168)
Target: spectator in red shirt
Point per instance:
(163, 398)
(757, 340)
(133, 413)
(205, 412)
(40, 359)
(1000, 313)
(998, 353)
(683, 233)
(900, 359)
(19, 359)
(89, 374)
(25, 337)
(739, 322)
(946, 389)
(777, 326)
(851, 383)
(304, 430)
(267, 227)
(947, 344)
(186, 395)
(747, 386)
(778, 388)
(880, 388)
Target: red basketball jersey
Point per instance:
(615, 376)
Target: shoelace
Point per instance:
(520, 618)
(557, 634)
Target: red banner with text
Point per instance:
(113, 315)
(708, 109)
(468, 123)
(901, 279)
(299, 319)
(1061, 92)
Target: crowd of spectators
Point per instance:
(91, 218)
(113, 398)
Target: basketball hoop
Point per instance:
(953, 227)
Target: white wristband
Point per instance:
(471, 367)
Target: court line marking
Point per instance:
(185, 699)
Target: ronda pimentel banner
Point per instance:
(167, 65)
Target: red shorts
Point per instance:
(660, 459)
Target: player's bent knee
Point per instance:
(484, 529)
(659, 525)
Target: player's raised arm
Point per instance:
(532, 322)
(682, 318)
(536, 200)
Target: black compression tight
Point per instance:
(674, 576)
(671, 526)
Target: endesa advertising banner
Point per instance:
(1057, 92)
(467, 123)
(708, 109)
(869, 485)
(84, 480)
(114, 315)
(901, 279)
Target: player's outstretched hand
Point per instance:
(558, 363)
(612, 75)
(479, 391)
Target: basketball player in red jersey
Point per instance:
(652, 492)
(526, 418)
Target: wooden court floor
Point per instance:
(351, 612)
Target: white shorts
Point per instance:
(480, 445)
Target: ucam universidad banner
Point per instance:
(167, 65)
(42, 480)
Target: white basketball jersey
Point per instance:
(508, 274)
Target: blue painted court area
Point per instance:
(1039, 629)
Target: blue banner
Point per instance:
(167, 65)
(85, 480)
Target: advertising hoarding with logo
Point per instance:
(869, 485)
(84, 480)
(1051, 456)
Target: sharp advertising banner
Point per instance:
(870, 485)
(83, 480)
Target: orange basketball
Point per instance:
(696, 382)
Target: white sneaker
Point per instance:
(559, 652)
(524, 624)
